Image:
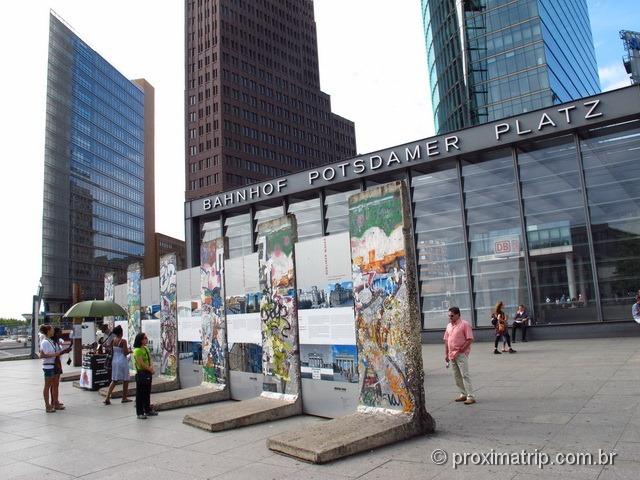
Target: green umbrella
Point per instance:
(96, 308)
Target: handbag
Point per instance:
(108, 348)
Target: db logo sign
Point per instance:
(506, 247)
(503, 246)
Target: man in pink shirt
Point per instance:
(457, 344)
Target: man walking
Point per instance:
(457, 344)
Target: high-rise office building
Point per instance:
(490, 59)
(98, 211)
(253, 105)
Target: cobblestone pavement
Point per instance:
(551, 402)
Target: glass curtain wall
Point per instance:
(337, 211)
(561, 274)
(210, 230)
(495, 235)
(308, 217)
(440, 248)
(238, 231)
(611, 161)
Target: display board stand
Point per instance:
(391, 405)
(280, 397)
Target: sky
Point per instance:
(372, 62)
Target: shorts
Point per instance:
(48, 372)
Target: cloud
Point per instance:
(613, 76)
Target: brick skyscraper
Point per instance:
(253, 105)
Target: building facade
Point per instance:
(253, 105)
(98, 210)
(541, 209)
(490, 59)
(165, 244)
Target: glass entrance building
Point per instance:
(490, 59)
(541, 209)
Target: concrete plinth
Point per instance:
(345, 436)
(70, 376)
(187, 397)
(241, 414)
(159, 385)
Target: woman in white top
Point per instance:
(48, 353)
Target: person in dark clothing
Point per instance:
(499, 321)
(521, 321)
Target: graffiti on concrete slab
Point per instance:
(168, 315)
(214, 336)
(278, 311)
(381, 298)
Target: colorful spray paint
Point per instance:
(109, 295)
(278, 309)
(134, 276)
(168, 316)
(214, 334)
(386, 302)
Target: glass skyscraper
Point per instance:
(94, 215)
(489, 59)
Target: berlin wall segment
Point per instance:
(278, 307)
(280, 396)
(391, 404)
(214, 386)
(214, 331)
(169, 319)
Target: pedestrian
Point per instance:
(58, 343)
(457, 345)
(48, 354)
(119, 365)
(501, 325)
(104, 338)
(144, 376)
(520, 321)
(635, 310)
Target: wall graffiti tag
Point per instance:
(134, 276)
(214, 336)
(278, 312)
(379, 266)
(168, 317)
(109, 295)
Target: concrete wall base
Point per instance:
(346, 436)
(187, 397)
(70, 376)
(159, 385)
(240, 414)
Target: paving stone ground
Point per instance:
(552, 397)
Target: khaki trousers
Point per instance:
(460, 366)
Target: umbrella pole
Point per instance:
(77, 342)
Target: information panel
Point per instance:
(244, 337)
(325, 310)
